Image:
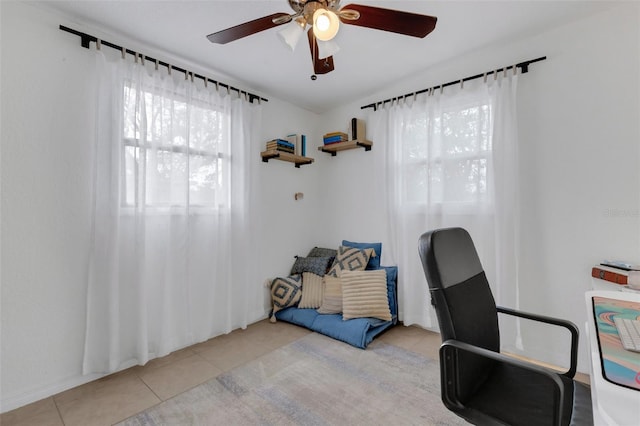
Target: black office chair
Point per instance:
(479, 383)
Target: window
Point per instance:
(447, 156)
(172, 151)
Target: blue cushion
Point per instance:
(392, 286)
(299, 316)
(374, 261)
(358, 332)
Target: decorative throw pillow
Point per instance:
(350, 259)
(312, 291)
(317, 265)
(332, 299)
(374, 260)
(364, 294)
(322, 252)
(285, 292)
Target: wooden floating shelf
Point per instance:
(298, 160)
(341, 146)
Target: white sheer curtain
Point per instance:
(172, 215)
(451, 160)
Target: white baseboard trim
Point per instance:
(11, 402)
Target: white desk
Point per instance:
(612, 404)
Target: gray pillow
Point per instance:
(316, 265)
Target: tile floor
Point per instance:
(114, 398)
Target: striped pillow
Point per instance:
(312, 291)
(364, 294)
(332, 300)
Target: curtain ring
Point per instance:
(495, 75)
(441, 89)
(156, 65)
(206, 81)
(415, 95)
(515, 70)
(135, 54)
(169, 67)
(228, 90)
(217, 86)
(141, 59)
(461, 84)
(504, 72)
(98, 44)
(192, 77)
(186, 75)
(484, 77)
(123, 52)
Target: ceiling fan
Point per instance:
(324, 18)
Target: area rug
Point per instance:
(314, 381)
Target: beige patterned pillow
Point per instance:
(350, 259)
(364, 294)
(332, 300)
(312, 291)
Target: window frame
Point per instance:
(217, 156)
(427, 163)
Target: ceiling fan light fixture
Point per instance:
(325, 24)
(327, 48)
(292, 33)
(349, 14)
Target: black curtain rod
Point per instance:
(524, 68)
(86, 39)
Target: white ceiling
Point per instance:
(368, 58)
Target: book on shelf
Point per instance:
(303, 145)
(616, 275)
(331, 134)
(334, 139)
(358, 130)
(280, 148)
(280, 144)
(619, 264)
(294, 139)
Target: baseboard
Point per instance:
(8, 403)
(11, 402)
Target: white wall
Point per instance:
(579, 162)
(579, 127)
(47, 98)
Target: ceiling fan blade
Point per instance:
(395, 21)
(320, 66)
(248, 28)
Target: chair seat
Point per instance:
(520, 397)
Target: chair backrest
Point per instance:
(462, 298)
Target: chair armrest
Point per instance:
(449, 369)
(571, 372)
